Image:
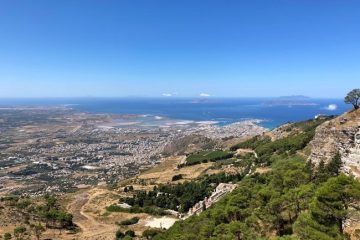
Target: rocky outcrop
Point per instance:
(341, 134)
(282, 131)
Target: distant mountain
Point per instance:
(295, 97)
(295, 100)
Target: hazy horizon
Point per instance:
(169, 98)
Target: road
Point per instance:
(90, 227)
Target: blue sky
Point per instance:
(183, 48)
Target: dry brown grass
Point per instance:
(89, 211)
(163, 173)
(262, 170)
(352, 120)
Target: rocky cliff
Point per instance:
(341, 134)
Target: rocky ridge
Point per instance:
(341, 134)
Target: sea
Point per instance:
(271, 112)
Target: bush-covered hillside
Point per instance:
(300, 134)
(33, 217)
(179, 197)
(294, 200)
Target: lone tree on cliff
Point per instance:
(353, 98)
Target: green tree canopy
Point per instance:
(19, 232)
(7, 236)
(38, 230)
(329, 209)
(353, 98)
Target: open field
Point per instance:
(163, 173)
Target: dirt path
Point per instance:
(242, 151)
(90, 227)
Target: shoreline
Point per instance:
(142, 121)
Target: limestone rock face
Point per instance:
(341, 134)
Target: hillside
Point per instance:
(342, 135)
(296, 199)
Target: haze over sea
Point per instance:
(273, 111)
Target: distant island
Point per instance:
(295, 97)
(295, 100)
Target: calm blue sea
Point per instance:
(274, 112)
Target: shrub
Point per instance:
(151, 233)
(130, 221)
(119, 234)
(7, 236)
(177, 177)
(130, 233)
(116, 208)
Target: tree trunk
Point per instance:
(340, 223)
(238, 234)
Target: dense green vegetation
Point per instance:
(283, 202)
(179, 197)
(296, 200)
(152, 210)
(53, 215)
(207, 156)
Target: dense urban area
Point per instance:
(56, 149)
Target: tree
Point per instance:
(19, 232)
(38, 230)
(7, 236)
(328, 210)
(306, 228)
(332, 169)
(130, 233)
(309, 169)
(353, 98)
(236, 229)
(64, 218)
(333, 199)
(322, 173)
(151, 233)
(119, 234)
(334, 166)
